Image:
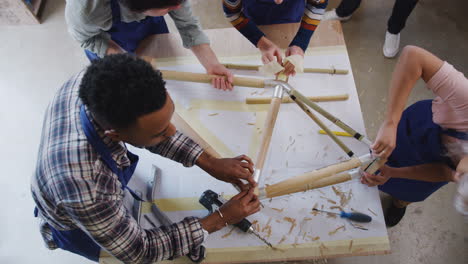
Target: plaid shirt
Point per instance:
(73, 188)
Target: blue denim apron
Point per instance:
(129, 35)
(418, 142)
(266, 12)
(75, 240)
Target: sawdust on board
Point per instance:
(331, 215)
(328, 200)
(277, 209)
(314, 238)
(292, 221)
(336, 230)
(336, 207)
(344, 197)
(282, 240)
(214, 114)
(372, 211)
(251, 124)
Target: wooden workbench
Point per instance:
(229, 43)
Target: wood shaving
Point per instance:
(307, 219)
(359, 226)
(320, 191)
(303, 235)
(331, 215)
(337, 207)
(251, 124)
(293, 223)
(214, 114)
(314, 238)
(282, 240)
(350, 245)
(268, 233)
(372, 211)
(229, 233)
(344, 199)
(265, 228)
(278, 221)
(254, 222)
(328, 200)
(336, 230)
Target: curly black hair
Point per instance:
(144, 5)
(120, 88)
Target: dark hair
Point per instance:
(120, 88)
(143, 5)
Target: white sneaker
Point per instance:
(331, 15)
(391, 45)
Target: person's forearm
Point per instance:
(205, 55)
(432, 172)
(205, 161)
(406, 74)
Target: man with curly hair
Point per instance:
(84, 166)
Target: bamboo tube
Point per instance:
(295, 94)
(287, 100)
(268, 129)
(305, 181)
(306, 70)
(206, 78)
(325, 128)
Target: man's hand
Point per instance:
(269, 51)
(230, 170)
(209, 60)
(222, 83)
(386, 140)
(240, 206)
(289, 67)
(233, 211)
(379, 179)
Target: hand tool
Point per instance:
(353, 216)
(213, 201)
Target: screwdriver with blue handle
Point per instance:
(356, 217)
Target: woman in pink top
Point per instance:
(425, 143)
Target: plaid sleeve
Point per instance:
(312, 16)
(179, 148)
(108, 223)
(233, 12)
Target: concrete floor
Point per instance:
(37, 60)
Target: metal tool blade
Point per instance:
(262, 239)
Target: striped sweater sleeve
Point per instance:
(312, 15)
(233, 12)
